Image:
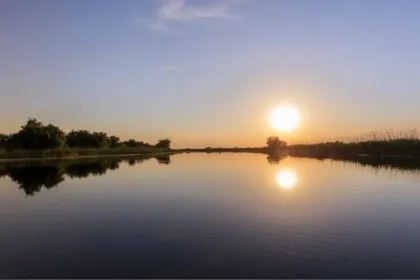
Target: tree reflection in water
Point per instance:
(163, 159)
(33, 176)
(275, 158)
(405, 166)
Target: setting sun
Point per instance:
(284, 118)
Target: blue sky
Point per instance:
(208, 72)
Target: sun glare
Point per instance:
(286, 179)
(284, 118)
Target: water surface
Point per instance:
(213, 216)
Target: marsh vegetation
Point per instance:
(385, 143)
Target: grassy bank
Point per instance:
(385, 143)
(388, 148)
(64, 153)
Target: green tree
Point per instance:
(3, 141)
(101, 140)
(80, 139)
(36, 136)
(86, 139)
(56, 138)
(163, 143)
(114, 141)
(273, 143)
(131, 143)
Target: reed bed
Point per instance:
(383, 143)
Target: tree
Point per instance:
(36, 136)
(78, 139)
(274, 143)
(131, 143)
(56, 138)
(86, 139)
(101, 140)
(143, 144)
(3, 141)
(163, 143)
(12, 142)
(114, 141)
(134, 143)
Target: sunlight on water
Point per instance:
(286, 179)
(283, 217)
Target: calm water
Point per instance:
(217, 216)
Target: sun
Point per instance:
(284, 118)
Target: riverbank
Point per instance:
(396, 148)
(404, 148)
(27, 155)
(24, 155)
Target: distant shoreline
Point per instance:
(263, 150)
(68, 154)
(308, 151)
(82, 157)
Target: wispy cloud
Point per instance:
(181, 11)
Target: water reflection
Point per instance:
(163, 159)
(286, 178)
(275, 158)
(396, 163)
(386, 166)
(330, 219)
(33, 176)
(384, 163)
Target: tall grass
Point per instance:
(382, 143)
(385, 135)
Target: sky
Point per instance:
(207, 73)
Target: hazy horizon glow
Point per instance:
(207, 73)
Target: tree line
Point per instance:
(274, 143)
(35, 135)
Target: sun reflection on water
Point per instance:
(286, 179)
